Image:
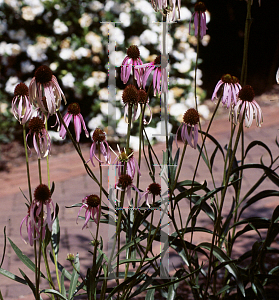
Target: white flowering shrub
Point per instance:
(72, 38)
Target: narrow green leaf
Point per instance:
(258, 143)
(259, 196)
(63, 290)
(29, 282)
(74, 278)
(54, 292)
(231, 267)
(26, 260)
(4, 250)
(12, 276)
(150, 294)
(55, 236)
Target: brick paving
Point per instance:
(72, 184)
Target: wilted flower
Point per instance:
(230, 87)
(74, 111)
(162, 5)
(125, 183)
(199, 19)
(21, 107)
(131, 60)
(160, 77)
(126, 157)
(246, 104)
(34, 217)
(189, 127)
(130, 97)
(154, 189)
(44, 91)
(99, 138)
(41, 138)
(92, 205)
(143, 99)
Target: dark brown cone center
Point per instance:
(200, 7)
(43, 74)
(98, 135)
(42, 193)
(21, 90)
(133, 52)
(124, 181)
(142, 96)
(191, 116)
(74, 109)
(130, 95)
(154, 189)
(93, 200)
(246, 93)
(36, 125)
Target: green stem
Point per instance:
(219, 216)
(27, 163)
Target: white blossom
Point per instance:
(26, 66)
(12, 82)
(96, 5)
(85, 20)
(148, 37)
(68, 80)
(59, 27)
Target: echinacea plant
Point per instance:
(130, 61)
(160, 76)
(247, 106)
(40, 136)
(189, 127)
(35, 219)
(153, 190)
(74, 112)
(91, 203)
(130, 98)
(45, 84)
(228, 86)
(126, 158)
(21, 106)
(99, 141)
(199, 19)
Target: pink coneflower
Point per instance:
(247, 104)
(92, 205)
(30, 228)
(143, 99)
(99, 138)
(126, 157)
(74, 111)
(34, 217)
(160, 77)
(125, 183)
(189, 127)
(131, 60)
(230, 87)
(21, 107)
(199, 19)
(44, 84)
(130, 97)
(41, 138)
(154, 189)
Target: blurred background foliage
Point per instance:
(71, 37)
